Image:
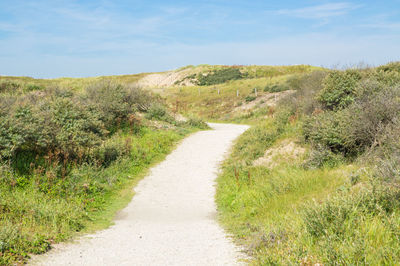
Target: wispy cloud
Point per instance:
(382, 25)
(320, 11)
(45, 38)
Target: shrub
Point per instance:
(322, 156)
(339, 89)
(32, 87)
(139, 98)
(197, 122)
(9, 86)
(159, 112)
(276, 88)
(111, 102)
(250, 98)
(219, 76)
(370, 115)
(330, 130)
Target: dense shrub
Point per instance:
(33, 87)
(111, 102)
(159, 112)
(330, 130)
(322, 156)
(197, 122)
(339, 89)
(276, 88)
(67, 125)
(219, 76)
(359, 126)
(250, 98)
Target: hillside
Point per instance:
(314, 181)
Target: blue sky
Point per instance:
(55, 38)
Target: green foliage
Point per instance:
(159, 112)
(358, 127)
(322, 156)
(276, 87)
(39, 209)
(330, 130)
(393, 66)
(322, 211)
(9, 86)
(65, 155)
(339, 89)
(33, 87)
(357, 226)
(253, 142)
(250, 98)
(111, 101)
(197, 122)
(219, 76)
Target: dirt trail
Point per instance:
(171, 219)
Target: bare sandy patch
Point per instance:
(286, 151)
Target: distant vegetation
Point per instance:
(219, 76)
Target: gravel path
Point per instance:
(171, 219)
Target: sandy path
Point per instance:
(171, 219)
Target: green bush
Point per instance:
(322, 156)
(32, 87)
(250, 98)
(330, 129)
(159, 112)
(197, 122)
(111, 102)
(219, 76)
(276, 88)
(60, 122)
(339, 89)
(347, 227)
(9, 86)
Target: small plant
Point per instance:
(250, 98)
(197, 122)
(275, 88)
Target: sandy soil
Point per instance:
(166, 79)
(172, 218)
(269, 99)
(287, 151)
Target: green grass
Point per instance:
(262, 208)
(31, 220)
(290, 214)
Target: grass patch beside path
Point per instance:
(31, 220)
(261, 206)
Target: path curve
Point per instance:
(171, 218)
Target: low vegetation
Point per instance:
(69, 158)
(335, 200)
(339, 203)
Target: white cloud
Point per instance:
(319, 11)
